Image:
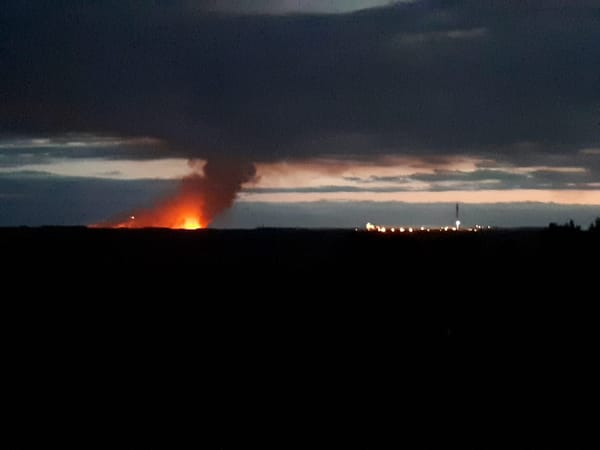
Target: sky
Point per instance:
(348, 110)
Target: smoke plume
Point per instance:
(199, 199)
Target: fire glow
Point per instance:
(200, 197)
(191, 223)
(168, 215)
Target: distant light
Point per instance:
(402, 230)
(410, 230)
(370, 226)
(422, 228)
(445, 228)
(454, 228)
(457, 224)
(132, 217)
(393, 230)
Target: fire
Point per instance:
(191, 223)
(175, 216)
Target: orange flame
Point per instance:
(191, 223)
(176, 215)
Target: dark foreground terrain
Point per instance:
(345, 325)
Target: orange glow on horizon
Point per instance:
(174, 216)
(191, 223)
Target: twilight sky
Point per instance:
(349, 110)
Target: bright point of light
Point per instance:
(422, 228)
(370, 226)
(445, 228)
(132, 217)
(402, 230)
(457, 224)
(410, 230)
(191, 223)
(393, 230)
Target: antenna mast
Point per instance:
(457, 217)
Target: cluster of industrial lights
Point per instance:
(456, 227)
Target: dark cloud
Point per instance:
(429, 77)
(15, 152)
(532, 178)
(293, 7)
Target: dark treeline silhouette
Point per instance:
(568, 226)
(571, 226)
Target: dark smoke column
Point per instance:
(218, 186)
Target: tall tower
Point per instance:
(457, 217)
